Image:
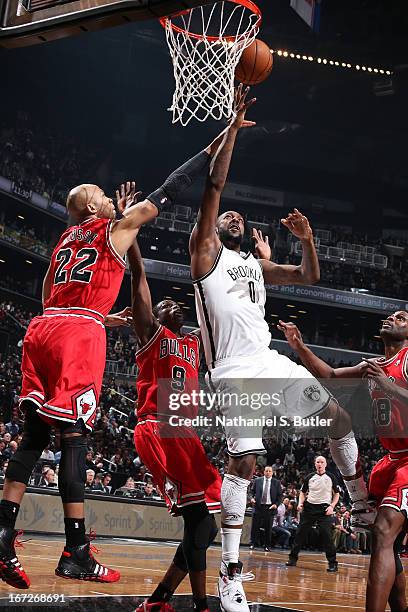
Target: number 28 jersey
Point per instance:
(167, 365)
(391, 415)
(86, 271)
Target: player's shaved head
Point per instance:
(86, 200)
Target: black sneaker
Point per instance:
(11, 570)
(333, 567)
(291, 563)
(79, 563)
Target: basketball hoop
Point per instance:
(205, 45)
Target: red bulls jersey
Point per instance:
(391, 415)
(168, 366)
(86, 271)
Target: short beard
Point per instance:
(227, 238)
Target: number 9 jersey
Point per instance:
(86, 271)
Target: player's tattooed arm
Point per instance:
(204, 241)
(313, 363)
(308, 272)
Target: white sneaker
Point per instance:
(363, 515)
(230, 590)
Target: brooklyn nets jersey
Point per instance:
(230, 303)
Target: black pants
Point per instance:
(314, 514)
(262, 517)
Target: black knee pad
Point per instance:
(199, 532)
(36, 436)
(72, 469)
(179, 559)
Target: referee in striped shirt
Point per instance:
(318, 497)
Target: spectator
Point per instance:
(266, 496)
(97, 483)
(106, 488)
(278, 528)
(47, 454)
(90, 475)
(89, 461)
(149, 491)
(48, 478)
(13, 426)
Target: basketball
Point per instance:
(255, 64)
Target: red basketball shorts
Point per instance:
(389, 482)
(62, 367)
(179, 465)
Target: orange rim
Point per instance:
(246, 3)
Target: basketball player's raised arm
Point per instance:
(313, 363)
(204, 242)
(135, 215)
(308, 272)
(144, 322)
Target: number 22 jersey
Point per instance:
(86, 271)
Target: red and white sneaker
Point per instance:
(11, 570)
(78, 563)
(147, 607)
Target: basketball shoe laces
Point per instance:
(92, 548)
(18, 574)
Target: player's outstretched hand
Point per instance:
(262, 246)
(119, 319)
(298, 225)
(373, 369)
(292, 334)
(241, 106)
(126, 195)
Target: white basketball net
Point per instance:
(205, 45)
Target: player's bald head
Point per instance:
(88, 199)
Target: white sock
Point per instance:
(230, 539)
(357, 489)
(233, 505)
(345, 456)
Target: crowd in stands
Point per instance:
(39, 159)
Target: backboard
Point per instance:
(28, 22)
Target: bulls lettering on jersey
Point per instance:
(86, 271)
(169, 361)
(230, 303)
(391, 415)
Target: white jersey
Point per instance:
(230, 304)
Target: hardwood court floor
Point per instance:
(307, 587)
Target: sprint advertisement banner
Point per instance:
(42, 513)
